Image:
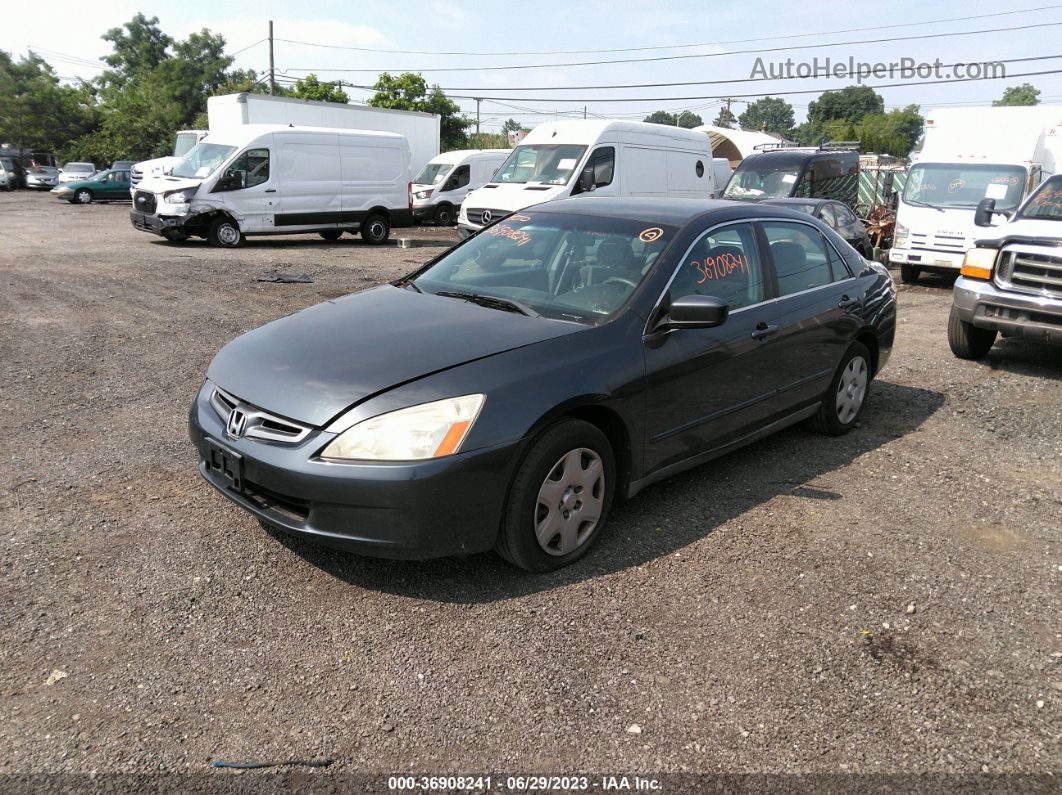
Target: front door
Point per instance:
(248, 190)
(707, 387)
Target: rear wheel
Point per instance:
(560, 497)
(444, 214)
(225, 232)
(375, 229)
(83, 196)
(966, 340)
(909, 274)
(331, 235)
(843, 402)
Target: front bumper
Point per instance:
(154, 223)
(465, 230)
(986, 305)
(927, 260)
(41, 184)
(414, 510)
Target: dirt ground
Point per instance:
(887, 602)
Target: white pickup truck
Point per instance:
(1011, 280)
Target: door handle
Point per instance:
(847, 303)
(270, 190)
(763, 331)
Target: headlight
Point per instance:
(179, 196)
(422, 194)
(978, 263)
(900, 235)
(430, 430)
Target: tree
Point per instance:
(689, 120)
(725, 118)
(511, 125)
(662, 117)
(893, 133)
(409, 91)
(310, 87)
(138, 47)
(38, 112)
(851, 104)
(1025, 94)
(770, 114)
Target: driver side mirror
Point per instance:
(697, 311)
(983, 213)
(586, 179)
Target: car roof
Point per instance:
(797, 200)
(674, 212)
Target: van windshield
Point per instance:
(185, 141)
(202, 160)
(580, 268)
(964, 185)
(1046, 202)
(765, 182)
(432, 174)
(548, 164)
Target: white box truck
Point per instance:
(183, 141)
(970, 154)
(261, 179)
(601, 158)
(420, 129)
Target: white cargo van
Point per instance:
(442, 185)
(274, 180)
(602, 158)
(182, 143)
(970, 154)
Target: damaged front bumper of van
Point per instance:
(162, 214)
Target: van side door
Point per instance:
(373, 175)
(456, 186)
(248, 188)
(309, 187)
(601, 162)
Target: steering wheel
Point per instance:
(620, 280)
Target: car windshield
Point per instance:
(79, 168)
(202, 160)
(549, 164)
(7, 164)
(765, 182)
(432, 174)
(567, 267)
(948, 185)
(1046, 202)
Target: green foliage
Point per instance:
(511, 125)
(892, 133)
(483, 140)
(139, 46)
(836, 114)
(310, 87)
(36, 111)
(409, 91)
(770, 114)
(1025, 94)
(725, 118)
(686, 118)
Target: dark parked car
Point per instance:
(780, 171)
(835, 215)
(506, 393)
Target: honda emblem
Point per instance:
(237, 423)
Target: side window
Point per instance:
(603, 163)
(249, 169)
(845, 216)
(459, 178)
(829, 217)
(838, 266)
(799, 255)
(803, 188)
(725, 263)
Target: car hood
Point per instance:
(167, 184)
(312, 365)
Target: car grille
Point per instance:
(256, 424)
(144, 201)
(1032, 270)
(268, 500)
(135, 175)
(953, 244)
(475, 215)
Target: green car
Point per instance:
(109, 185)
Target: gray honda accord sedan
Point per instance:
(507, 393)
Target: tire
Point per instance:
(83, 196)
(225, 233)
(375, 229)
(445, 215)
(331, 235)
(966, 340)
(571, 462)
(909, 274)
(843, 403)
(175, 236)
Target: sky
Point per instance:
(508, 35)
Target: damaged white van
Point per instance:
(277, 180)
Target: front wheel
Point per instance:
(375, 230)
(226, 233)
(444, 215)
(909, 274)
(843, 402)
(560, 497)
(966, 340)
(83, 196)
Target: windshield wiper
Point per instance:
(924, 204)
(405, 283)
(492, 302)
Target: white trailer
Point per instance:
(420, 129)
(970, 154)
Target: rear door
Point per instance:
(816, 312)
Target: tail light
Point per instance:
(409, 194)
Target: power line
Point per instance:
(666, 46)
(686, 57)
(244, 49)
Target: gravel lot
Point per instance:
(884, 602)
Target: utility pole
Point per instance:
(478, 100)
(584, 112)
(272, 77)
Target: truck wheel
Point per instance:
(83, 196)
(331, 235)
(225, 232)
(966, 340)
(444, 215)
(909, 274)
(175, 235)
(375, 229)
